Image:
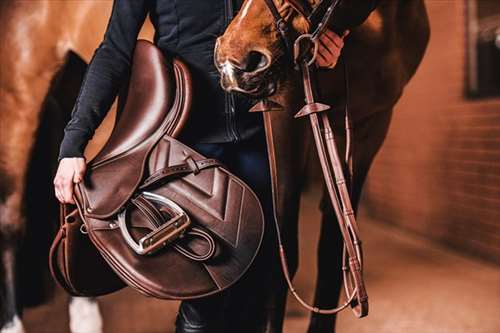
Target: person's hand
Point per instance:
(70, 171)
(330, 45)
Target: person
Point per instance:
(219, 127)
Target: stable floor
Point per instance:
(414, 285)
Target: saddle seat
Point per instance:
(158, 102)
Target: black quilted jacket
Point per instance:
(187, 28)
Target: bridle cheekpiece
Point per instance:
(317, 19)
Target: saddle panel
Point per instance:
(158, 103)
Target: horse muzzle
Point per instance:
(249, 73)
(259, 83)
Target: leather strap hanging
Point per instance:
(304, 55)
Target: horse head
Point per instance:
(250, 55)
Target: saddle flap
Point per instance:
(157, 103)
(226, 230)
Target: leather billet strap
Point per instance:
(191, 166)
(281, 25)
(318, 19)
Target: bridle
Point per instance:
(303, 52)
(317, 19)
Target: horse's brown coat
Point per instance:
(383, 54)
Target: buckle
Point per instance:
(163, 235)
(193, 165)
(305, 49)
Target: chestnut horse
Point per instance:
(39, 40)
(381, 55)
(41, 37)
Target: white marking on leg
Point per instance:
(84, 316)
(13, 326)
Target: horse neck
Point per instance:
(79, 14)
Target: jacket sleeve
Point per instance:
(104, 76)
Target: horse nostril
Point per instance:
(254, 61)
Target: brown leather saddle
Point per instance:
(169, 222)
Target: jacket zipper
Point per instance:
(229, 97)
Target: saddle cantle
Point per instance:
(170, 223)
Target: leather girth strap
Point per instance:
(178, 170)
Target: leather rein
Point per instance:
(303, 53)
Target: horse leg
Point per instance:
(20, 105)
(23, 85)
(289, 202)
(15, 146)
(84, 315)
(369, 134)
(12, 225)
(279, 292)
(9, 237)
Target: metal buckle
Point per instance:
(162, 236)
(298, 52)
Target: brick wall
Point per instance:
(438, 174)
